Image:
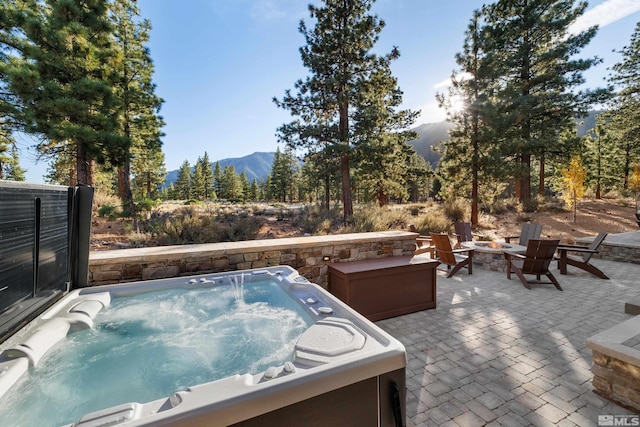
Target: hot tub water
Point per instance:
(153, 344)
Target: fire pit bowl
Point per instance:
(490, 254)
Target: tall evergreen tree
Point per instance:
(64, 81)
(468, 152)
(183, 182)
(198, 190)
(418, 177)
(138, 106)
(246, 187)
(281, 175)
(10, 168)
(231, 184)
(537, 73)
(217, 180)
(148, 170)
(625, 111)
(339, 55)
(207, 174)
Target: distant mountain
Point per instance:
(258, 165)
(255, 166)
(430, 134)
(433, 133)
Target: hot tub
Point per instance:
(333, 367)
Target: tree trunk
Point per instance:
(327, 192)
(383, 199)
(474, 169)
(128, 195)
(148, 184)
(84, 167)
(347, 203)
(343, 131)
(121, 190)
(542, 177)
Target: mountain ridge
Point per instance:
(258, 164)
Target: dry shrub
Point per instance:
(433, 222)
(372, 217)
(314, 219)
(190, 225)
(456, 209)
(106, 205)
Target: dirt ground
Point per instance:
(593, 216)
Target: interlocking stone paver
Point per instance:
(551, 412)
(469, 419)
(490, 400)
(495, 353)
(481, 410)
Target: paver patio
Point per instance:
(494, 353)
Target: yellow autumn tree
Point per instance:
(634, 182)
(573, 179)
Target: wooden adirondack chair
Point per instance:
(529, 231)
(582, 260)
(536, 261)
(463, 233)
(452, 258)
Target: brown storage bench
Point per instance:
(385, 287)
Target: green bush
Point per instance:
(109, 211)
(147, 205)
(530, 205)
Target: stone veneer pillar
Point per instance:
(616, 363)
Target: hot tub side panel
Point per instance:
(378, 401)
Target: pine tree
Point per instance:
(148, 170)
(183, 182)
(625, 111)
(138, 106)
(231, 183)
(468, 153)
(10, 168)
(64, 82)
(418, 177)
(246, 187)
(338, 54)
(198, 189)
(207, 175)
(533, 60)
(281, 175)
(217, 181)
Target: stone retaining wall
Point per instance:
(620, 247)
(619, 253)
(308, 255)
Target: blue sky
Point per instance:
(219, 63)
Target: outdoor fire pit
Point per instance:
(490, 254)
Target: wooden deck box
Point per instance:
(385, 287)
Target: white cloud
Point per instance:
(431, 113)
(604, 14)
(447, 82)
(444, 83)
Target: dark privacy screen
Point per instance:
(39, 257)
